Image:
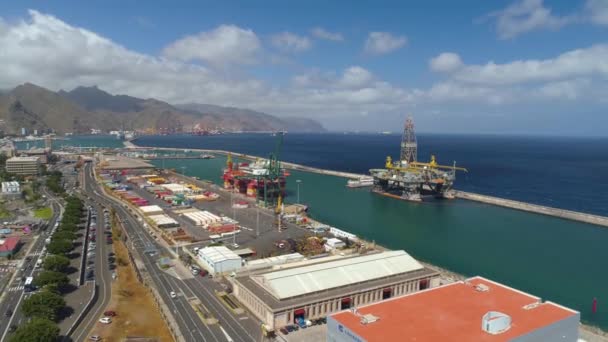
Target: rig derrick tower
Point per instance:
(409, 146)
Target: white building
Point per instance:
(333, 243)
(23, 165)
(219, 259)
(10, 188)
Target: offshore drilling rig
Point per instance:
(411, 180)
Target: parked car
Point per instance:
(8, 313)
(110, 313)
(284, 331)
(289, 328)
(95, 338)
(105, 320)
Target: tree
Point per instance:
(36, 330)
(43, 304)
(51, 277)
(60, 246)
(57, 263)
(64, 234)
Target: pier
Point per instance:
(535, 208)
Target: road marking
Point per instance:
(15, 288)
(226, 334)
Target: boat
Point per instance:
(361, 182)
(207, 156)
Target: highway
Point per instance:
(15, 293)
(191, 326)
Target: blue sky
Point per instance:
(470, 66)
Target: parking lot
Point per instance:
(313, 333)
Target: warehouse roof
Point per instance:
(151, 209)
(218, 254)
(163, 219)
(324, 276)
(453, 312)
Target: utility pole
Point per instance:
(298, 184)
(257, 221)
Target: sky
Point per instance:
(490, 67)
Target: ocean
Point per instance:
(563, 172)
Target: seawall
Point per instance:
(502, 202)
(534, 208)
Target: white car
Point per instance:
(173, 294)
(105, 320)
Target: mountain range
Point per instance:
(83, 108)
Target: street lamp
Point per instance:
(298, 184)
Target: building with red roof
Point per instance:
(477, 309)
(8, 246)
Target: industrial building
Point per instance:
(26, 166)
(318, 287)
(473, 310)
(219, 259)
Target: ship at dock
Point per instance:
(263, 179)
(411, 180)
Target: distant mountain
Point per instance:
(264, 122)
(93, 98)
(83, 108)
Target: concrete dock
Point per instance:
(534, 208)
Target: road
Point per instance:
(15, 289)
(103, 276)
(192, 328)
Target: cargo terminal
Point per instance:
(476, 309)
(315, 288)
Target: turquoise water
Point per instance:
(78, 141)
(558, 260)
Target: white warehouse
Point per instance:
(219, 259)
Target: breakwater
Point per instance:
(502, 202)
(534, 208)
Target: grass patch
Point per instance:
(43, 213)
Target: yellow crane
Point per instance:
(416, 166)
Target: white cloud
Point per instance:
(445, 62)
(597, 11)
(570, 89)
(289, 42)
(527, 15)
(591, 61)
(226, 44)
(321, 33)
(354, 77)
(379, 43)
